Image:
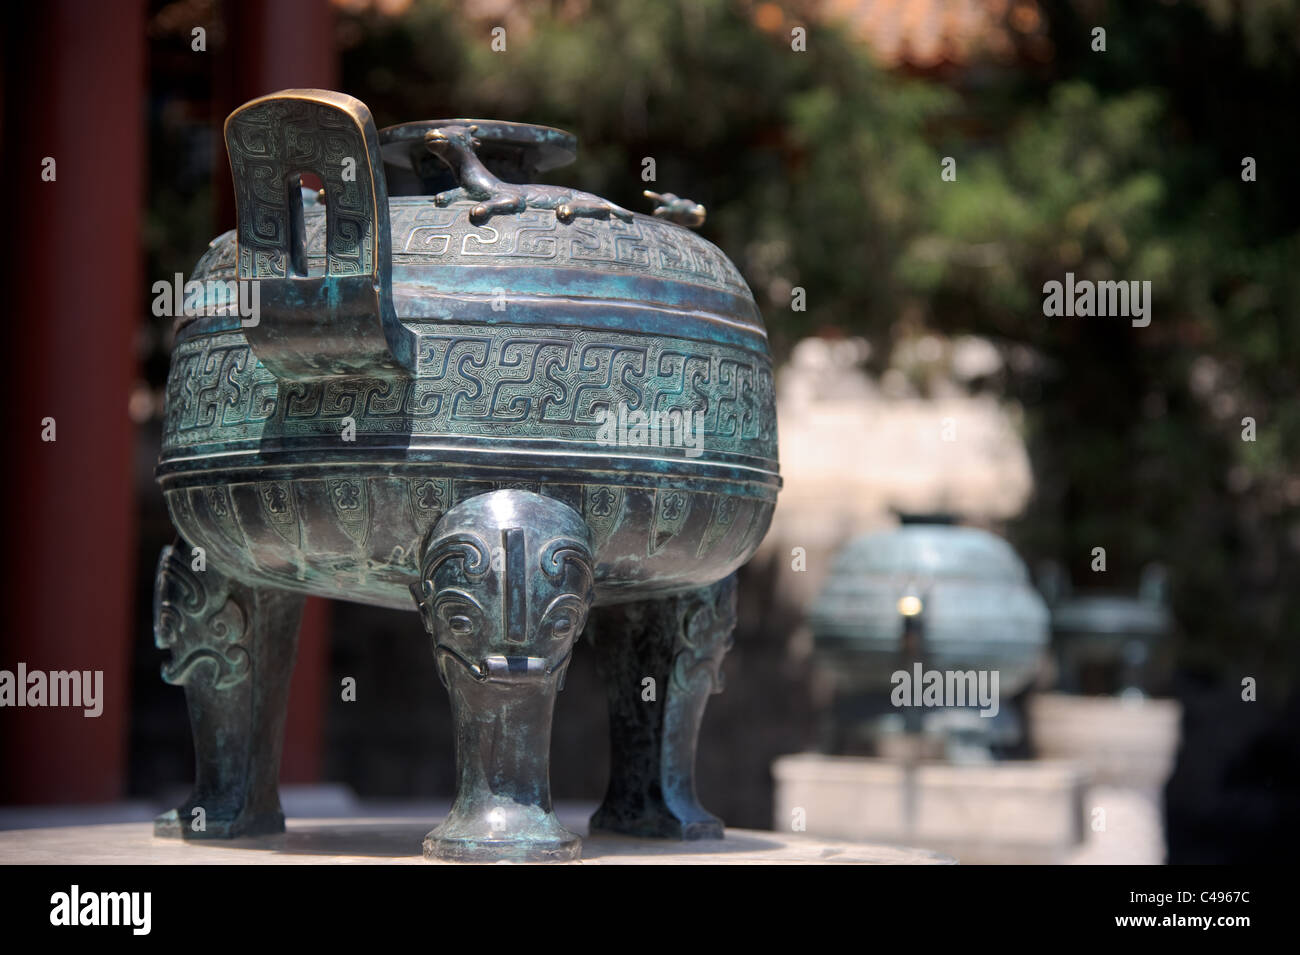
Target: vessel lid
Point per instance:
(515, 152)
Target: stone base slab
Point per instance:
(1128, 743)
(1028, 812)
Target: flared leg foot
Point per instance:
(660, 661)
(506, 584)
(233, 648)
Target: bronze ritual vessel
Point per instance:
(519, 409)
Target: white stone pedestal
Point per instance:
(1129, 747)
(360, 841)
(1029, 812)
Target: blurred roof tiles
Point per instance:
(926, 34)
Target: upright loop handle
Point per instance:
(341, 323)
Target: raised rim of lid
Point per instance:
(545, 146)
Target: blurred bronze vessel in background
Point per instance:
(520, 404)
(927, 596)
(1110, 643)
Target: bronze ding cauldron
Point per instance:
(518, 404)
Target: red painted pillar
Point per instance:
(73, 92)
(304, 726)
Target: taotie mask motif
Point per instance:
(506, 584)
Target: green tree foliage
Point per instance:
(822, 171)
